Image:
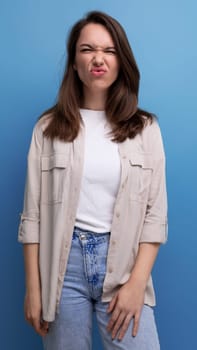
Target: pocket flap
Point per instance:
(144, 161)
(54, 161)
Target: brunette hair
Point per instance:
(122, 111)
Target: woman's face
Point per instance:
(96, 60)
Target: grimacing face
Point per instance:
(96, 60)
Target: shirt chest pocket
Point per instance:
(140, 176)
(53, 172)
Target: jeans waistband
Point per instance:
(79, 231)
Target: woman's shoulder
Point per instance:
(39, 128)
(151, 127)
(151, 136)
(41, 125)
(43, 122)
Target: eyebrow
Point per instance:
(94, 46)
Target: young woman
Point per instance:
(95, 200)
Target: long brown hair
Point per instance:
(122, 111)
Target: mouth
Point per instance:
(98, 71)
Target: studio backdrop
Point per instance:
(163, 37)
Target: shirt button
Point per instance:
(113, 242)
(110, 270)
(117, 214)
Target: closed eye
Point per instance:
(112, 52)
(86, 50)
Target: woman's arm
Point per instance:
(129, 300)
(32, 305)
(29, 232)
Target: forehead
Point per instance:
(95, 34)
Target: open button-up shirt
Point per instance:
(52, 190)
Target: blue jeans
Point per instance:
(81, 295)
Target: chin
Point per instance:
(100, 86)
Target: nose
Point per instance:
(98, 59)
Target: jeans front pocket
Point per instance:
(54, 169)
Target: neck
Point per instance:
(94, 100)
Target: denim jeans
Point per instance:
(81, 296)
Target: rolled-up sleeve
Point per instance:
(30, 218)
(155, 228)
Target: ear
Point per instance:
(74, 66)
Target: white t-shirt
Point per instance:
(101, 174)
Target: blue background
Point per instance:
(163, 37)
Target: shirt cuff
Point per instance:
(154, 233)
(28, 231)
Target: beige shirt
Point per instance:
(51, 199)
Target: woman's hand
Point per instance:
(33, 312)
(32, 304)
(129, 300)
(125, 305)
